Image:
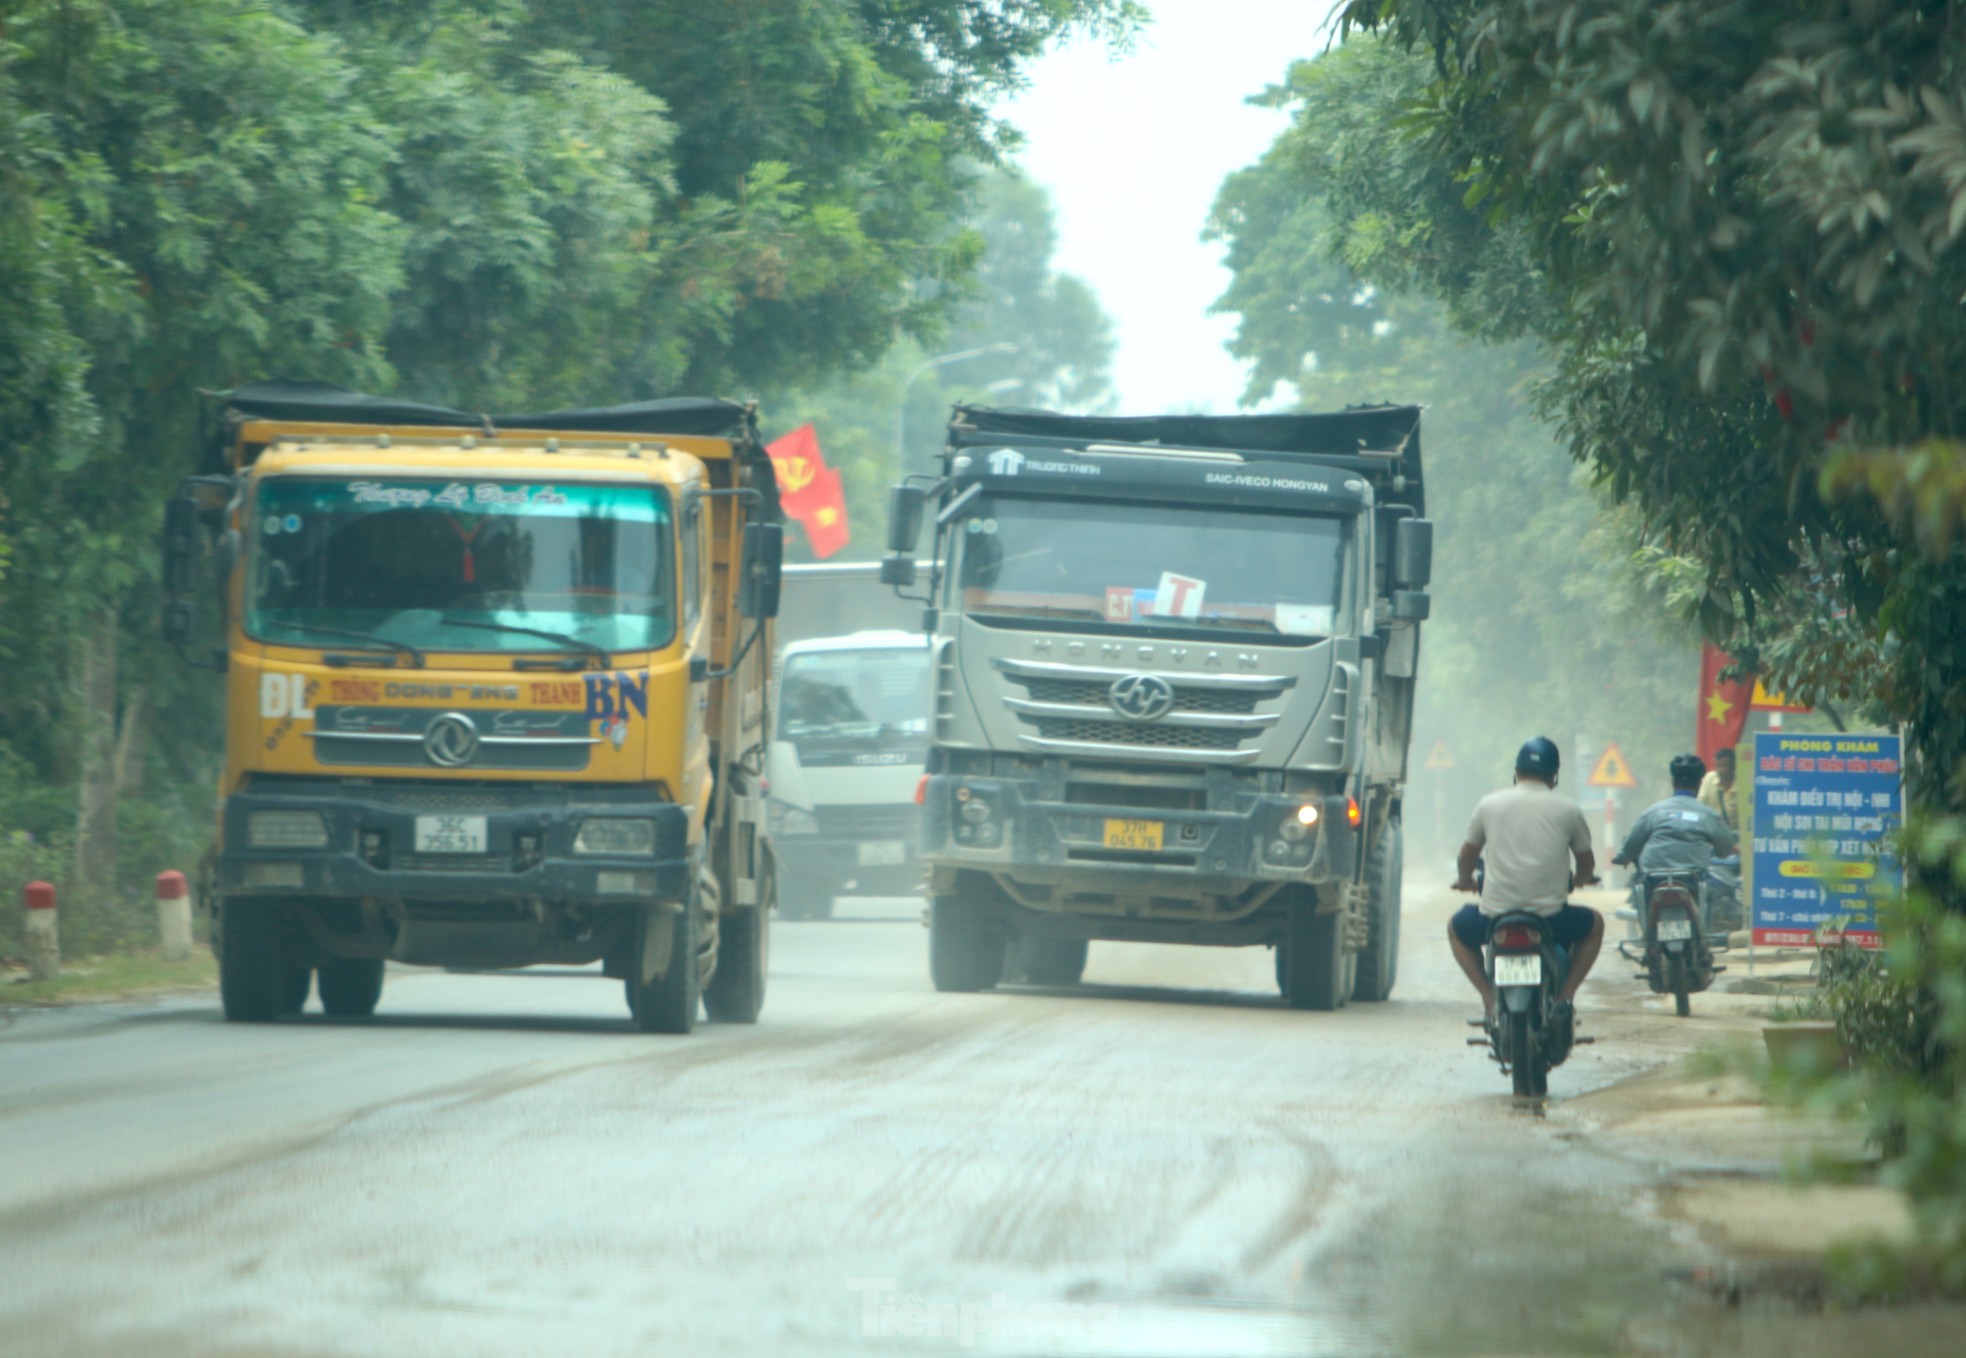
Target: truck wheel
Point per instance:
(1311, 963)
(255, 981)
(1054, 961)
(667, 1002)
(1378, 961)
(736, 993)
(965, 950)
(350, 986)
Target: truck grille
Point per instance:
(1139, 735)
(1187, 698)
(1215, 718)
(881, 821)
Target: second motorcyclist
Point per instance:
(1679, 836)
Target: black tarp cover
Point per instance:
(325, 403)
(1382, 429)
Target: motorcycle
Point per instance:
(1526, 967)
(1722, 898)
(1677, 953)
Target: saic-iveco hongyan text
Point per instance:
(1173, 662)
(495, 693)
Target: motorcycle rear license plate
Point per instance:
(1672, 929)
(882, 853)
(1518, 969)
(450, 834)
(1134, 834)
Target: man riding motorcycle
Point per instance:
(1525, 837)
(1679, 836)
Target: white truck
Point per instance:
(848, 744)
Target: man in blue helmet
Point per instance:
(1525, 837)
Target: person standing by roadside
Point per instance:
(1717, 790)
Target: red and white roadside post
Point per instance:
(173, 916)
(43, 943)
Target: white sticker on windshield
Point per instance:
(1306, 620)
(1179, 596)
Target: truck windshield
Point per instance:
(1152, 566)
(860, 698)
(448, 564)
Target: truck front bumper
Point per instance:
(369, 845)
(1024, 829)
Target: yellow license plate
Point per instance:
(1134, 834)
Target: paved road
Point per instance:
(1162, 1161)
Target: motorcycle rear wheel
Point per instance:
(1679, 984)
(1522, 1055)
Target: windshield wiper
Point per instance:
(375, 642)
(589, 647)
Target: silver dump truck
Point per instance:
(1173, 664)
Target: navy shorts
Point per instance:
(1568, 927)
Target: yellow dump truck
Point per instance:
(496, 694)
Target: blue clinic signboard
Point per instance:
(1822, 807)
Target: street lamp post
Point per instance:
(941, 361)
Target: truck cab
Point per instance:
(849, 741)
(1173, 665)
(492, 696)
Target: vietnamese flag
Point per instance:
(825, 519)
(1723, 711)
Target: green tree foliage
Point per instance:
(481, 203)
(1536, 628)
(1746, 226)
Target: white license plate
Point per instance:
(1672, 929)
(1518, 969)
(882, 853)
(450, 834)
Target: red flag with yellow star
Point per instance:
(1723, 705)
(825, 518)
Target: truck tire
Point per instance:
(736, 993)
(349, 986)
(800, 900)
(1378, 961)
(255, 979)
(965, 949)
(1311, 965)
(667, 1002)
(1054, 961)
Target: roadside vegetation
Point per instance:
(1725, 246)
(483, 205)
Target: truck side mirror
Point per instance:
(904, 518)
(898, 569)
(1412, 605)
(1413, 553)
(761, 571)
(180, 544)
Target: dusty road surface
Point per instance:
(1164, 1161)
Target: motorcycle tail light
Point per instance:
(1517, 936)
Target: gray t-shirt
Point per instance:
(1679, 834)
(1526, 834)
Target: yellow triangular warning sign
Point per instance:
(1440, 757)
(1612, 770)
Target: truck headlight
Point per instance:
(607, 834)
(781, 819)
(286, 830)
